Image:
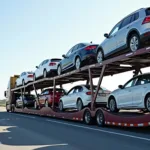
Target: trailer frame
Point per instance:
(132, 61)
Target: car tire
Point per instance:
(59, 71)
(44, 73)
(100, 119)
(77, 63)
(46, 104)
(113, 105)
(100, 56)
(61, 107)
(79, 104)
(134, 42)
(87, 117)
(147, 102)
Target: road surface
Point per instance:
(24, 132)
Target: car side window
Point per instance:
(126, 21)
(143, 80)
(79, 89)
(115, 29)
(81, 46)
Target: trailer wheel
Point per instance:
(87, 117)
(100, 119)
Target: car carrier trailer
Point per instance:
(133, 61)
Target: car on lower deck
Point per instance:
(134, 94)
(24, 78)
(25, 100)
(79, 55)
(80, 96)
(46, 68)
(46, 97)
(130, 34)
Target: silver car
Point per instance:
(130, 34)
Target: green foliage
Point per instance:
(2, 102)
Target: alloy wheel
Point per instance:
(99, 57)
(59, 70)
(134, 43)
(148, 103)
(78, 63)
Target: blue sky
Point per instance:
(33, 30)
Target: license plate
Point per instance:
(101, 94)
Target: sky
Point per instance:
(34, 30)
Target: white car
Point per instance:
(135, 94)
(46, 67)
(24, 78)
(80, 96)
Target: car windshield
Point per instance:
(29, 97)
(58, 91)
(147, 11)
(55, 60)
(94, 87)
(30, 72)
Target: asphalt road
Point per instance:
(24, 132)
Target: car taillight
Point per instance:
(89, 93)
(146, 20)
(52, 64)
(90, 47)
(30, 76)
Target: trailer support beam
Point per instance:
(91, 87)
(54, 89)
(98, 86)
(37, 96)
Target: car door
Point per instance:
(139, 90)
(67, 101)
(67, 62)
(121, 35)
(110, 44)
(125, 95)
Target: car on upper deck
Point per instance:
(79, 55)
(129, 34)
(46, 68)
(24, 78)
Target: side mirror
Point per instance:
(120, 86)
(106, 35)
(5, 93)
(36, 67)
(64, 56)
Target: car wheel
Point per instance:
(23, 82)
(59, 70)
(44, 73)
(46, 104)
(134, 42)
(79, 104)
(100, 56)
(61, 107)
(87, 117)
(147, 103)
(113, 105)
(77, 63)
(100, 119)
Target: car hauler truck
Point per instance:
(133, 61)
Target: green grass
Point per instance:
(2, 102)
